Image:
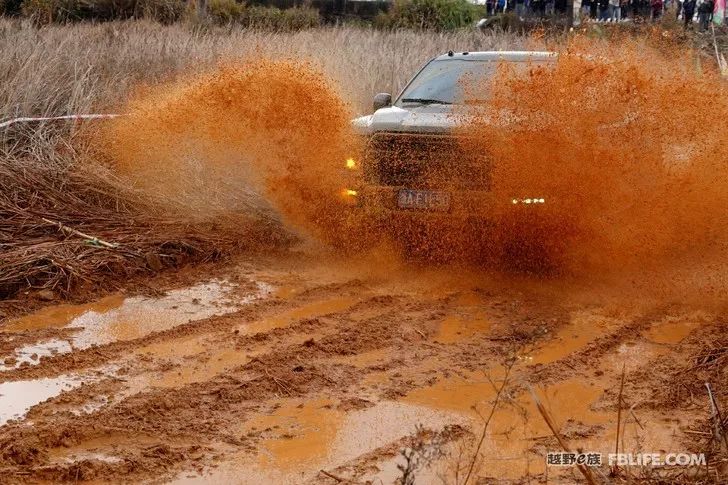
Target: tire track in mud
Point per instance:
(97, 355)
(591, 351)
(356, 339)
(184, 400)
(123, 414)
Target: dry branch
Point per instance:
(89, 239)
(619, 415)
(552, 426)
(332, 476)
(493, 408)
(717, 418)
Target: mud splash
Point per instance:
(626, 146)
(233, 142)
(621, 142)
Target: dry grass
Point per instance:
(81, 68)
(45, 171)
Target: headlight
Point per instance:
(349, 196)
(529, 201)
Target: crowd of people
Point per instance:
(526, 8)
(689, 11)
(617, 10)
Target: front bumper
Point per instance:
(381, 201)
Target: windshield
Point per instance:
(443, 81)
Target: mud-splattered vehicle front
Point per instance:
(416, 164)
(423, 179)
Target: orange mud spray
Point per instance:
(231, 141)
(626, 144)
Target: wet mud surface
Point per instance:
(303, 369)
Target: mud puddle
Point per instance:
(673, 329)
(658, 339)
(105, 448)
(116, 319)
(517, 433)
(31, 354)
(18, 397)
(300, 438)
(583, 328)
(198, 358)
(516, 425)
(196, 371)
(455, 394)
(310, 310)
(630, 355)
(454, 329)
(382, 380)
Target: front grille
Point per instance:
(425, 161)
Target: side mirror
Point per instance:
(382, 100)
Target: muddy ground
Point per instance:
(300, 367)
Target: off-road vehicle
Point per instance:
(413, 165)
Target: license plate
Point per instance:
(423, 200)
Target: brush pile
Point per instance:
(65, 225)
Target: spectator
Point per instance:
(656, 9)
(705, 10)
(490, 7)
(688, 12)
(521, 8)
(623, 8)
(538, 7)
(646, 8)
(678, 4)
(586, 9)
(603, 10)
(615, 10)
(550, 7)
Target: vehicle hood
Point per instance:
(420, 119)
